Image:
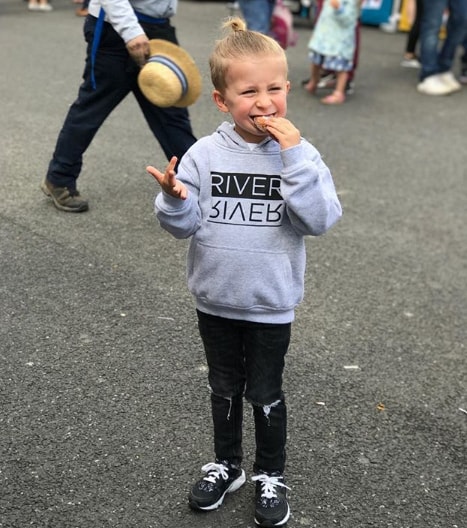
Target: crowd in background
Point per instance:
(438, 28)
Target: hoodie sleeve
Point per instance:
(308, 190)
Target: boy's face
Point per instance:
(256, 86)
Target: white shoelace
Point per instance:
(214, 471)
(268, 485)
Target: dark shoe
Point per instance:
(209, 492)
(65, 199)
(271, 506)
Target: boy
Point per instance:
(247, 195)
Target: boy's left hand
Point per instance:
(283, 131)
(168, 180)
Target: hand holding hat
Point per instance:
(138, 48)
(170, 76)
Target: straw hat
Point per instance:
(170, 77)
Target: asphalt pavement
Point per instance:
(104, 406)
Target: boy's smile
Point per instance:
(254, 87)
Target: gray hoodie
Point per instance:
(247, 212)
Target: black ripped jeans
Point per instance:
(247, 359)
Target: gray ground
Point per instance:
(104, 408)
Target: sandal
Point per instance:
(333, 99)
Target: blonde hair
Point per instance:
(239, 43)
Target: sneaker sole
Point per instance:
(236, 484)
(270, 524)
(81, 209)
(424, 91)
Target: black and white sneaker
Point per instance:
(221, 478)
(328, 80)
(271, 506)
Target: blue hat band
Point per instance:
(160, 59)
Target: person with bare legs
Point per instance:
(332, 46)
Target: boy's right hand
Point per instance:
(168, 180)
(283, 131)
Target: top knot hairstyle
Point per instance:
(239, 43)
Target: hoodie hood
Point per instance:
(226, 136)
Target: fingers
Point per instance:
(139, 50)
(170, 175)
(157, 175)
(283, 131)
(179, 191)
(168, 180)
(169, 171)
(172, 164)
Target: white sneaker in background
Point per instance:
(410, 63)
(450, 80)
(435, 85)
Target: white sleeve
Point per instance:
(121, 15)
